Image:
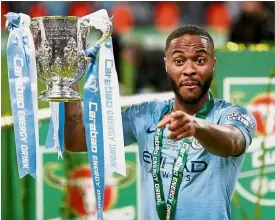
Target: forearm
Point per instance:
(221, 140)
(74, 127)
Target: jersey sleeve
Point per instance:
(243, 120)
(128, 128)
(138, 117)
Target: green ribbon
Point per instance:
(166, 211)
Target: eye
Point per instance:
(200, 61)
(179, 62)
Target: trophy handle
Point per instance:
(99, 20)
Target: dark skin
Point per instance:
(189, 63)
(75, 139)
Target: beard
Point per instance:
(203, 90)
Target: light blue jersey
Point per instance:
(209, 180)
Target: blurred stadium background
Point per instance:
(244, 36)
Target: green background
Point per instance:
(241, 206)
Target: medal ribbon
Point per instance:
(55, 137)
(114, 154)
(94, 129)
(167, 211)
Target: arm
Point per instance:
(213, 136)
(228, 139)
(74, 127)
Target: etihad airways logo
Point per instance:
(195, 166)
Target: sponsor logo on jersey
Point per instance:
(150, 130)
(194, 166)
(246, 120)
(196, 144)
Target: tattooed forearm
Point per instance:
(74, 127)
(72, 121)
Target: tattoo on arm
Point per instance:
(75, 133)
(72, 121)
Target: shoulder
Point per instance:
(151, 108)
(224, 107)
(231, 113)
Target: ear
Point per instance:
(165, 63)
(214, 63)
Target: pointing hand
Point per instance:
(180, 124)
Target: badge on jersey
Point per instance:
(196, 144)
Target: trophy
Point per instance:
(60, 45)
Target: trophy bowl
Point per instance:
(60, 44)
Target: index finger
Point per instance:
(164, 121)
(178, 114)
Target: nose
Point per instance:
(188, 69)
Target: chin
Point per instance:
(190, 93)
(190, 97)
(190, 100)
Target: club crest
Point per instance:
(196, 144)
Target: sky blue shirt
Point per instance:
(209, 180)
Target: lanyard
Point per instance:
(167, 211)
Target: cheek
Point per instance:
(174, 72)
(205, 72)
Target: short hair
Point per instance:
(189, 30)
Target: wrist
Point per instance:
(198, 126)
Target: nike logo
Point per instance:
(150, 131)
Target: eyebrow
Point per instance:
(196, 51)
(201, 51)
(177, 51)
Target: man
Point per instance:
(191, 147)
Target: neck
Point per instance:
(190, 109)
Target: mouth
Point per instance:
(189, 84)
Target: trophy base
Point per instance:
(62, 95)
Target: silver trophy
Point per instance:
(60, 44)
